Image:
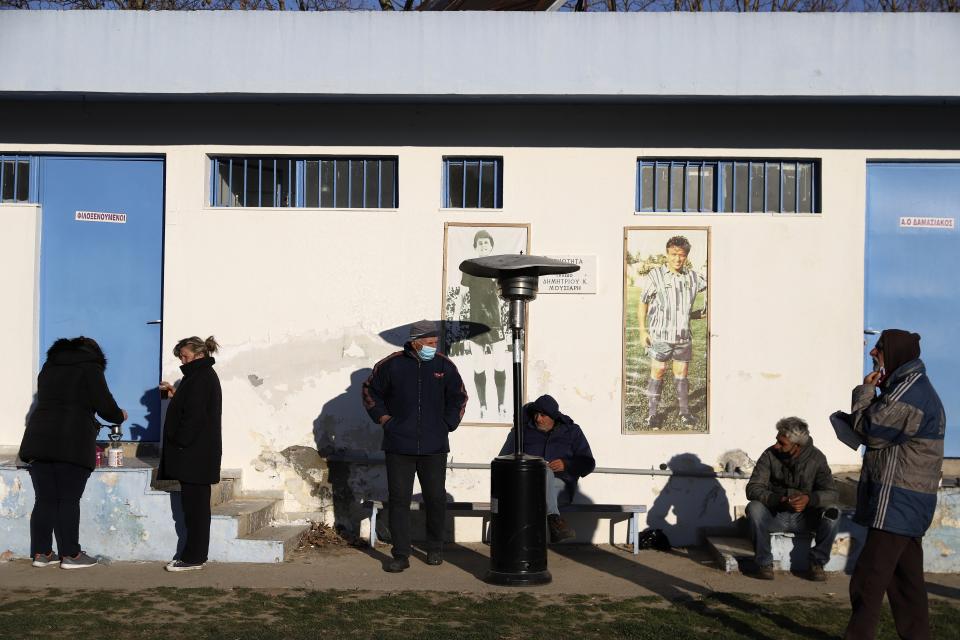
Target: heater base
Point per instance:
(518, 579)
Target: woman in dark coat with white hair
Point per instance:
(192, 444)
(60, 445)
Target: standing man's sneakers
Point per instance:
(765, 572)
(180, 565)
(41, 560)
(434, 558)
(688, 420)
(79, 561)
(398, 564)
(559, 529)
(816, 573)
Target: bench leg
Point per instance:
(373, 527)
(635, 532)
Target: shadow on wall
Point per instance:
(585, 524)
(696, 502)
(344, 430)
(149, 432)
(33, 405)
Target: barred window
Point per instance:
(321, 182)
(17, 178)
(728, 186)
(473, 183)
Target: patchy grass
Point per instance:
(286, 614)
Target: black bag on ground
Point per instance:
(654, 539)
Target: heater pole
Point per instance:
(518, 516)
(517, 320)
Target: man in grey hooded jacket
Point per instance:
(792, 490)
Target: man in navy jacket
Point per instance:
(557, 439)
(902, 429)
(418, 398)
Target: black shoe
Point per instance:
(651, 423)
(397, 565)
(434, 558)
(559, 529)
(765, 572)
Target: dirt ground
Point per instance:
(576, 569)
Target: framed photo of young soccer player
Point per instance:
(477, 334)
(666, 335)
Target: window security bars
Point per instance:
(473, 183)
(17, 178)
(728, 186)
(320, 182)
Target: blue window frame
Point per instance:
(18, 178)
(687, 185)
(333, 182)
(473, 183)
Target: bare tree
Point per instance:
(632, 6)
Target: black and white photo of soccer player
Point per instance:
(483, 353)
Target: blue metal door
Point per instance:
(101, 271)
(912, 265)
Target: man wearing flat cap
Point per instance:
(902, 428)
(417, 397)
(556, 438)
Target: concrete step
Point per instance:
(249, 514)
(729, 551)
(125, 514)
(790, 551)
(286, 536)
(223, 491)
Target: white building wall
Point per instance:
(298, 299)
(19, 266)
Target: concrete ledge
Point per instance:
(735, 554)
(123, 517)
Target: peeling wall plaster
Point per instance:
(274, 412)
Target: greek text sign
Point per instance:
(582, 281)
(927, 223)
(100, 216)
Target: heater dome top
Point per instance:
(512, 265)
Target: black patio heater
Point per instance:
(518, 532)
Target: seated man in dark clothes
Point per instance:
(792, 490)
(557, 439)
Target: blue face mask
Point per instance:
(427, 353)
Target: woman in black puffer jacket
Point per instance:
(59, 443)
(192, 444)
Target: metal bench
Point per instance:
(633, 526)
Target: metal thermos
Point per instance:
(115, 450)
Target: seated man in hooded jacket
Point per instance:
(792, 490)
(557, 439)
